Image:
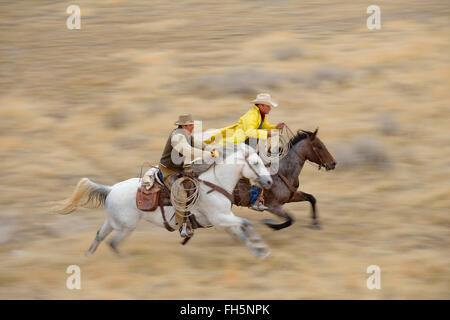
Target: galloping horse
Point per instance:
(212, 209)
(304, 146)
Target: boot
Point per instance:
(258, 206)
(186, 229)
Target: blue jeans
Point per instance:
(160, 176)
(254, 194)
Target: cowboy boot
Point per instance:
(258, 206)
(189, 229)
(186, 229)
(183, 227)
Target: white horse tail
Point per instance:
(87, 194)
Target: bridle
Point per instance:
(322, 163)
(251, 167)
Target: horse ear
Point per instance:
(313, 136)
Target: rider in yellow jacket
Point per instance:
(248, 126)
(253, 124)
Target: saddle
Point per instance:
(155, 196)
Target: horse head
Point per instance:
(317, 152)
(254, 168)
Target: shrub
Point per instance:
(361, 151)
(247, 82)
(387, 124)
(288, 53)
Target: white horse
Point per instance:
(212, 209)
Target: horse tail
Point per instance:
(87, 194)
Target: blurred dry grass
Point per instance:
(100, 101)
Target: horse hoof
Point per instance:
(264, 254)
(316, 226)
(115, 250)
(185, 240)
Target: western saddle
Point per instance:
(158, 195)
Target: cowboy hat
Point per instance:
(184, 119)
(265, 98)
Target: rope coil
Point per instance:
(284, 144)
(191, 201)
(285, 137)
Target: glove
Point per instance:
(214, 153)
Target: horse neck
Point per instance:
(292, 164)
(225, 175)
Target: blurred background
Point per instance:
(99, 101)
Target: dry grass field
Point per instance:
(99, 101)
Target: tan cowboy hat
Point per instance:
(184, 119)
(265, 98)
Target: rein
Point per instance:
(251, 167)
(289, 185)
(318, 156)
(215, 187)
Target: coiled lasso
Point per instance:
(184, 205)
(284, 145)
(285, 137)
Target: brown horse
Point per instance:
(304, 146)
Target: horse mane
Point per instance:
(301, 134)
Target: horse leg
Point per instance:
(303, 196)
(248, 235)
(255, 240)
(119, 236)
(280, 212)
(243, 230)
(101, 234)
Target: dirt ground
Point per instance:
(99, 101)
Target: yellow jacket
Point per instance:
(247, 127)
